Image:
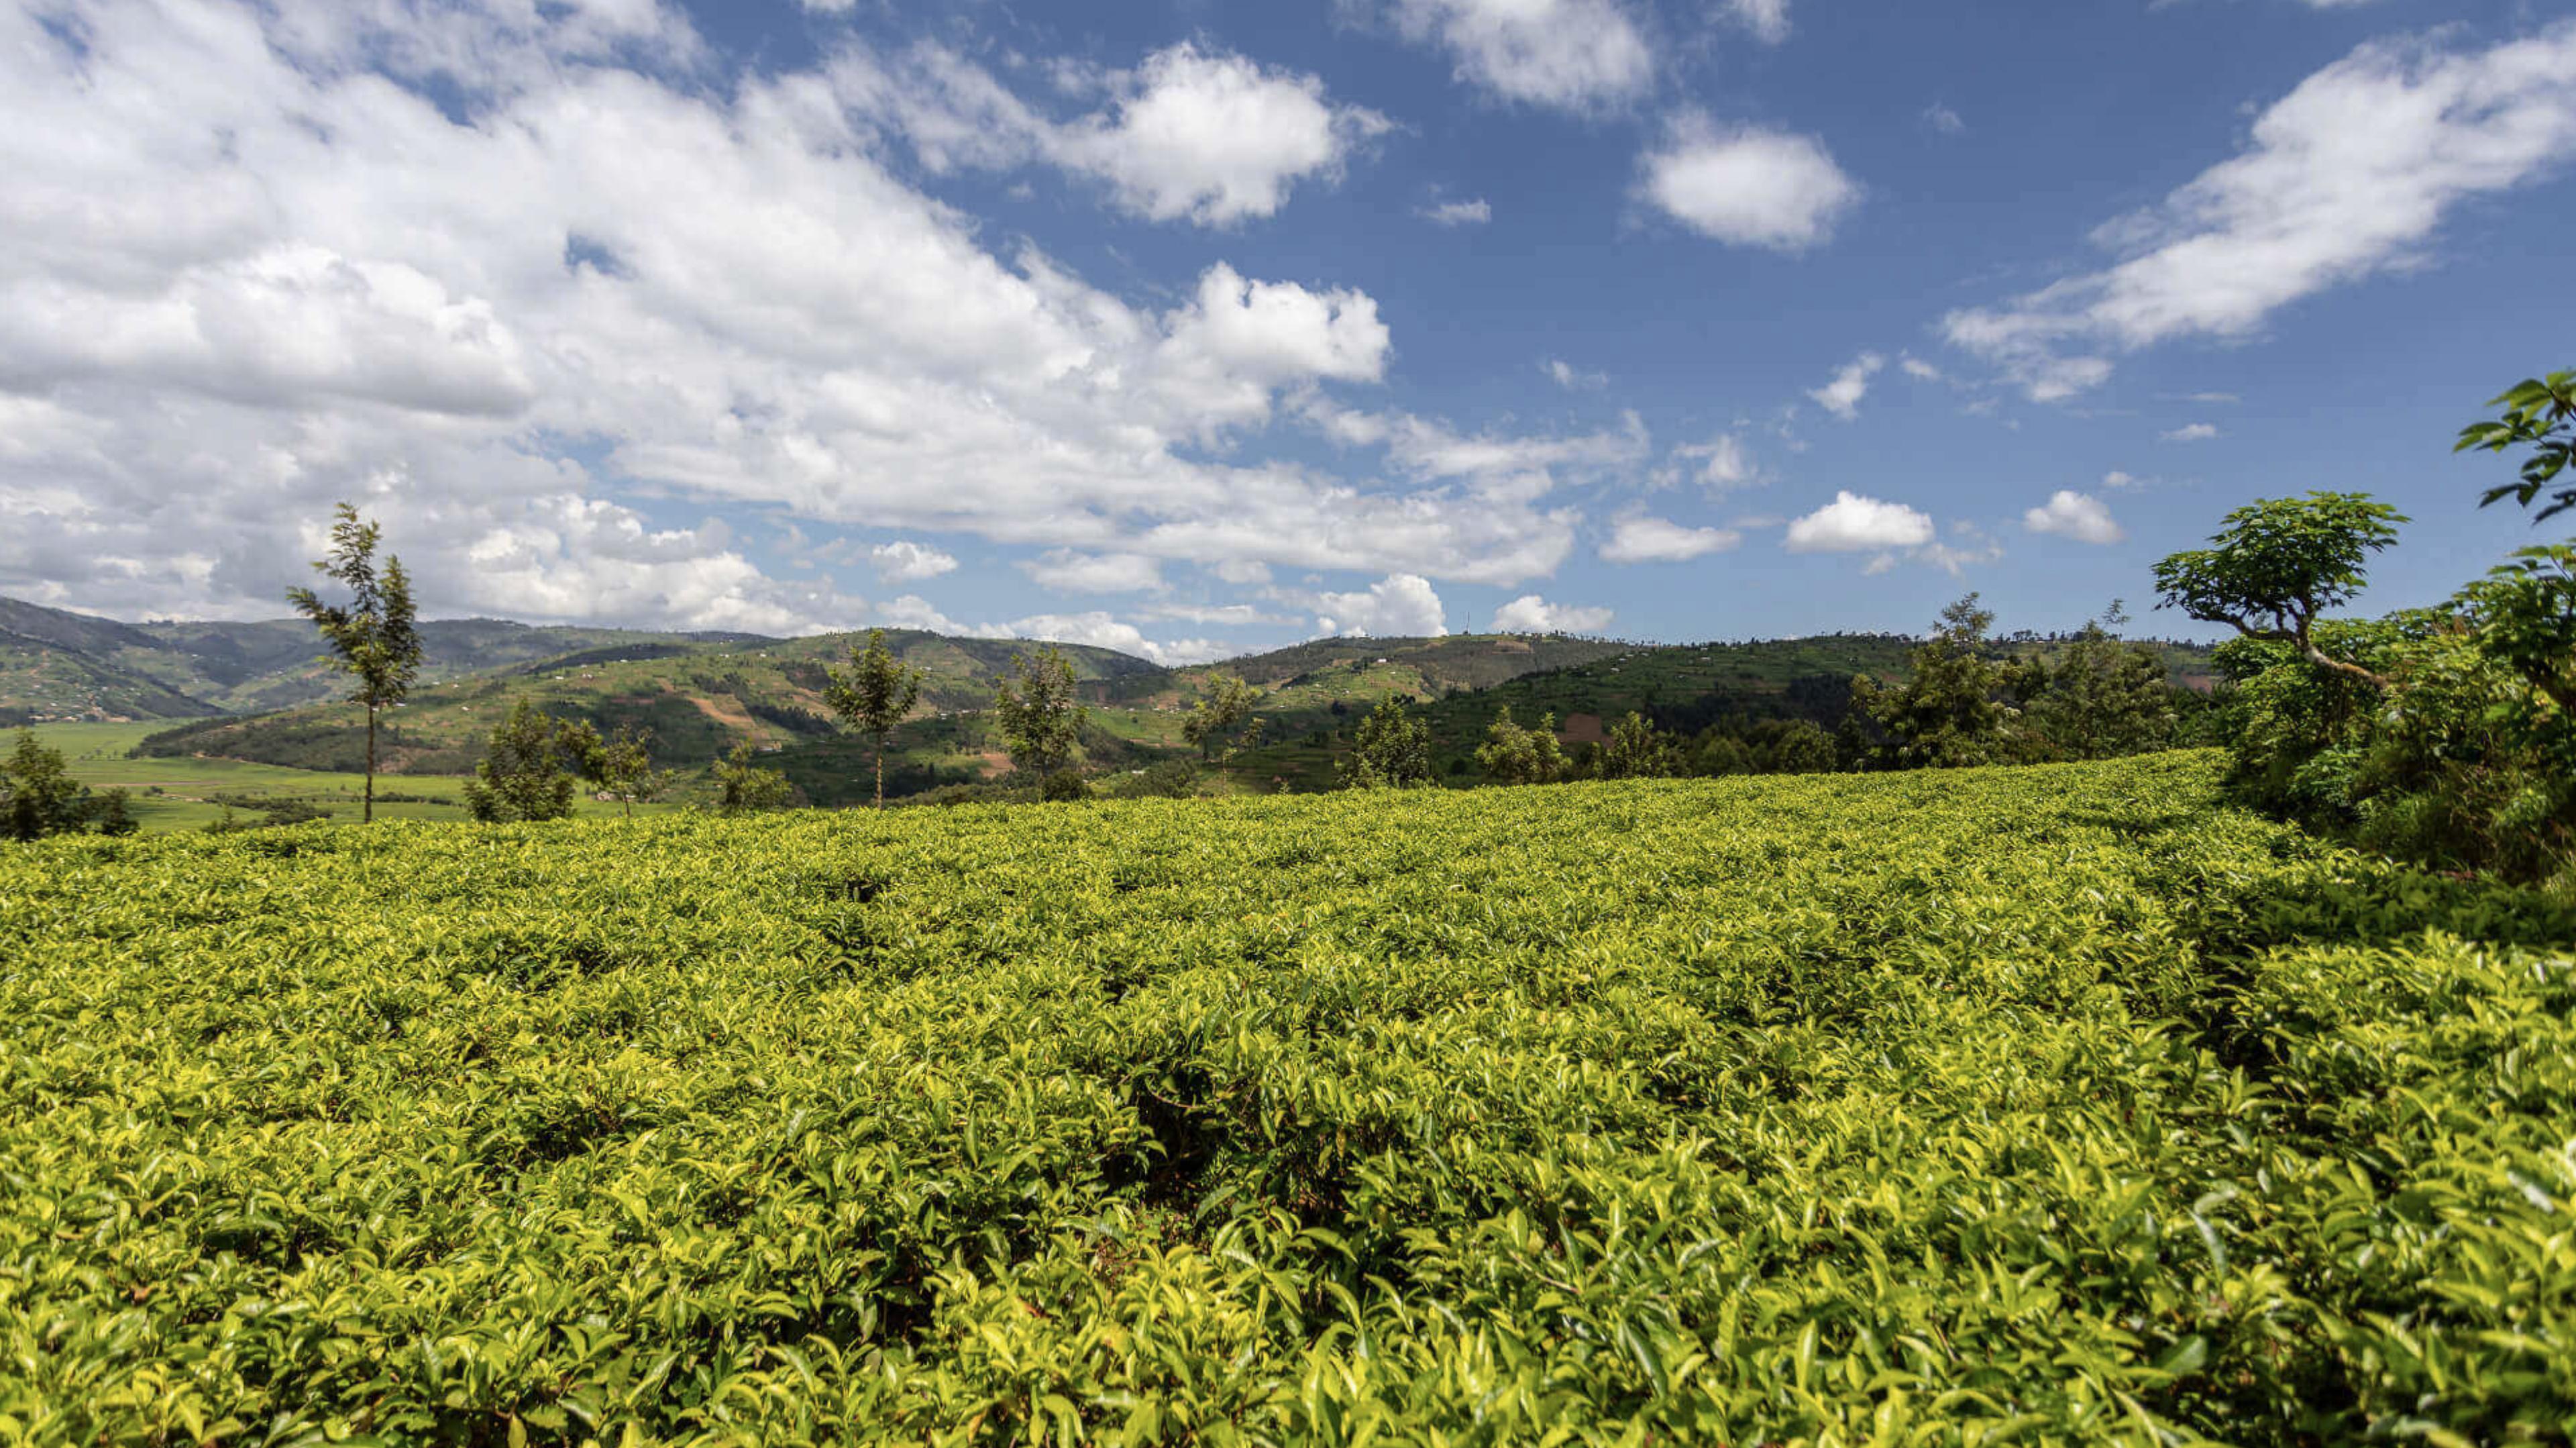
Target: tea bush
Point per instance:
(2052, 1104)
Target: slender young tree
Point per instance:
(621, 766)
(1223, 707)
(373, 638)
(876, 694)
(1041, 723)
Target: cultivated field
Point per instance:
(2054, 1104)
(185, 794)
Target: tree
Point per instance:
(2280, 563)
(742, 786)
(874, 696)
(373, 634)
(521, 775)
(1637, 750)
(622, 767)
(1041, 722)
(38, 796)
(1221, 709)
(1393, 750)
(1514, 755)
(2104, 698)
(2537, 412)
(115, 815)
(1952, 713)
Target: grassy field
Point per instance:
(2041, 1105)
(180, 794)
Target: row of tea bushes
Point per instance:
(2052, 1104)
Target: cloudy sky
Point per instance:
(1191, 328)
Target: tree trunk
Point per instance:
(369, 814)
(881, 774)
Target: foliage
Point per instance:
(523, 774)
(2524, 613)
(1514, 755)
(744, 787)
(2101, 699)
(1953, 711)
(374, 636)
(1391, 750)
(38, 796)
(2443, 736)
(1224, 704)
(2054, 1105)
(1040, 719)
(874, 696)
(1635, 749)
(2279, 565)
(114, 815)
(1171, 779)
(621, 766)
(2539, 413)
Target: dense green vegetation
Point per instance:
(2060, 1104)
(2442, 735)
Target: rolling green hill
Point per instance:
(699, 700)
(41, 680)
(59, 665)
(1682, 687)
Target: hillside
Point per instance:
(57, 664)
(1685, 686)
(1681, 687)
(2055, 1105)
(699, 699)
(42, 680)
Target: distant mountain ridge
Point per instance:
(58, 664)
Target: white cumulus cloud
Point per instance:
(1852, 523)
(2191, 432)
(904, 561)
(1747, 187)
(1575, 55)
(1530, 613)
(2070, 514)
(1189, 134)
(1842, 396)
(1639, 538)
(1401, 605)
(274, 271)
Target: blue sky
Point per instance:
(1192, 328)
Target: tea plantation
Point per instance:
(2038, 1105)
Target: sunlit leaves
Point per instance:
(1901, 1108)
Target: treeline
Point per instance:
(1969, 699)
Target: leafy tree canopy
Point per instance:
(2279, 564)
